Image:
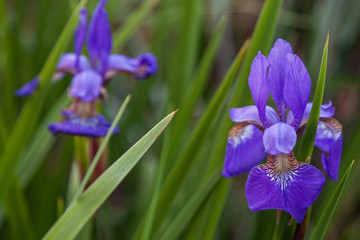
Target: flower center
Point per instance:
(282, 168)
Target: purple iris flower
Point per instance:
(92, 75)
(28, 89)
(282, 182)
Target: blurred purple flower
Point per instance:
(282, 182)
(91, 75)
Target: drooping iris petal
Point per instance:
(79, 37)
(329, 139)
(95, 126)
(283, 184)
(141, 67)
(326, 111)
(244, 149)
(67, 64)
(258, 83)
(29, 88)
(277, 74)
(146, 66)
(279, 138)
(251, 113)
(297, 86)
(99, 41)
(86, 85)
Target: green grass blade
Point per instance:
(193, 92)
(28, 118)
(41, 143)
(183, 164)
(325, 219)
(307, 144)
(149, 219)
(104, 143)
(18, 212)
(176, 226)
(85, 206)
(132, 24)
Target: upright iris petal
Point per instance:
(297, 86)
(99, 42)
(277, 74)
(80, 33)
(258, 83)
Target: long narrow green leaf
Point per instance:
(149, 219)
(30, 114)
(323, 224)
(175, 227)
(187, 50)
(104, 143)
(193, 92)
(307, 144)
(85, 206)
(183, 164)
(42, 141)
(17, 212)
(132, 24)
(261, 41)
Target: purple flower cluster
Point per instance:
(282, 182)
(92, 75)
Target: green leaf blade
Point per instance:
(326, 217)
(307, 144)
(84, 207)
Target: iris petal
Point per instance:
(141, 67)
(279, 138)
(326, 111)
(329, 139)
(244, 149)
(99, 42)
(80, 33)
(285, 185)
(96, 126)
(277, 74)
(297, 86)
(29, 88)
(251, 113)
(86, 85)
(258, 83)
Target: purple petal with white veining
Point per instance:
(329, 139)
(86, 85)
(277, 73)
(29, 88)
(326, 111)
(80, 33)
(96, 126)
(297, 86)
(293, 191)
(67, 64)
(99, 41)
(258, 83)
(251, 113)
(244, 149)
(146, 66)
(279, 138)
